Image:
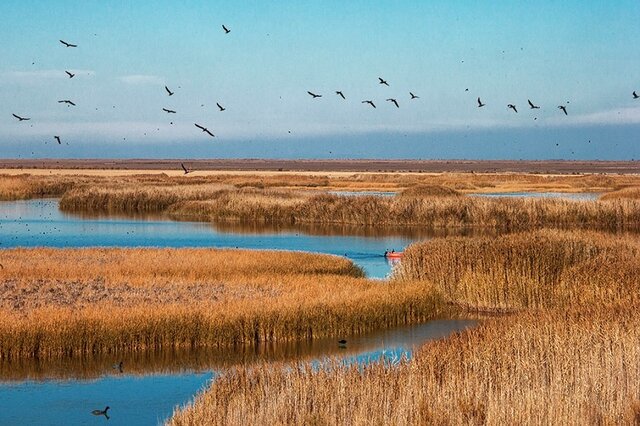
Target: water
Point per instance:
(576, 196)
(364, 193)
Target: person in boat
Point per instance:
(386, 252)
(393, 250)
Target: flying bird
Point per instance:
(186, 171)
(314, 95)
(58, 139)
(532, 106)
(168, 111)
(226, 30)
(21, 118)
(635, 95)
(71, 75)
(220, 107)
(382, 81)
(66, 101)
(370, 103)
(338, 92)
(68, 44)
(413, 96)
(480, 104)
(563, 108)
(168, 91)
(204, 129)
(513, 107)
(394, 102)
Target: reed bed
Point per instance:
(59, 302)
(631, 193)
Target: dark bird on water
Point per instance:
(71, 75)
(220, 107)
(101, 412)
(532, 106)
(513, 107)
(168, 111)
(168, 91)
(21, 118)
(68, 44)
(370, 103)
(563, 108)
(313, 95)
(413, 96)
(480, 104)
(394, 102)
(382, 81)
(58, 139)
(204, 129)
(342, 343)
(226, 30)
(186, 171)
(66, 101)
(635, 95)
(338, 92)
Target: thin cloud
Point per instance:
(629, 115)
(142, 79)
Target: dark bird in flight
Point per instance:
(382, 81)
(168, 111)
(532, 106)
(58, 139)
(513, 107)
(204, 129)
(563, 108)
(370, 103)
(226, 30)
(394, 102)
(168, 91)
(71, 75)
(68, 44)
(101, 412)
(220, 107)
(338, 92)
(480, 104)
(186, 171)
(21, 118)
(314, 95)
(635, 95)
(66, 101)
(413, 96)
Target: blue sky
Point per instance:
(582, 54)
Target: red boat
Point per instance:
(393, 254)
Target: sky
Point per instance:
(584, 55)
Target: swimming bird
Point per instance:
(186, 171)
(513, 107)
(58, 139)
(119, 366)
(635, 95)
(342, 343)
(204, 129)
(68, 44)
(338, 92)
(563, 108)
(101, 412)
(71, 75)
(168, 91)
(394, 102)
(220, 107)
(313, 95)
(168, 111)
(532, 106)
(382, 81)
(413, 96)
(370, 103)
(480, 104)
(66, 101)
(21, 118)
(226, 30)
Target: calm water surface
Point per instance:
(577, 196)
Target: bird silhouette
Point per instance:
(394, 102)
(226, 30)
(338, 92)
(71, 75)
(119, 366)
(168, 91)
(66, 101)
(168, 111)
(342, 343)
(58, 139)
(382, 81)
(68, 44)
(204, 129)
(563, 108)
(370, 103)
(186, 171)
(414, 96)
(220, 107)
(101, 412)
(21, 118)
(313, 95)
(513, 107)
(480, 104)
(635, 95)
(532, 106)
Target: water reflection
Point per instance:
(576, 196)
